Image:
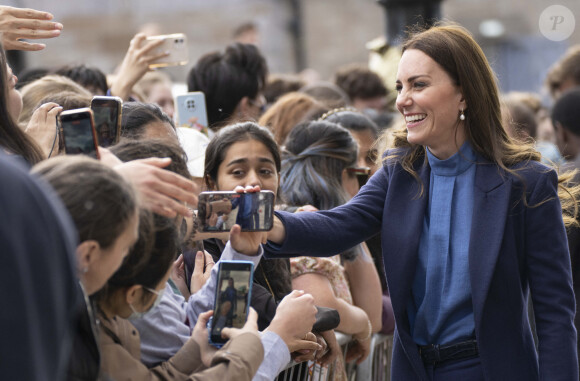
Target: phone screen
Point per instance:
(107, 114)
(232, 298)
(78, 134)
(219, 211)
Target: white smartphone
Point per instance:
(191, 105)
(175, 45)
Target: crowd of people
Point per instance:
(446, 219)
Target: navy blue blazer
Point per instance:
(516, 247)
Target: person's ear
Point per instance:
(133, 294)
(244, 106)
(87, 253)
(462, 103)
(211, 184)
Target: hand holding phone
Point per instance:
(175, 45)
(219, 211)
(78, 132)
(232, 298)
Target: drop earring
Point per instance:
(462, 116)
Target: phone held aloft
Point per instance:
(219, 211)
(173, 44)
(107, 114)
(78, 132)
(232, 298)
(191, 107)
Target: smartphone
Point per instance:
(78, 132)
(191, 105)
(232, 298)
(219, 211)
(189, 252)
(107, 113)
(175, 45)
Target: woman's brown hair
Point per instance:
(12, 138)
(455, 50)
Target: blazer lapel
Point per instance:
(402, 226)
(490, 207)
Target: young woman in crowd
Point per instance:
(165, 330)
(103, 208)
(316, 170)
(365, 132)
(471, 226)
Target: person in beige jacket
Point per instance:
(137, 287)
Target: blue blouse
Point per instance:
(441, 311)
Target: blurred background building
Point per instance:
(296, 34)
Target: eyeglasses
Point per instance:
(362, 174)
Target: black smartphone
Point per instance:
(78, 132)
(232, 298)
(219, 211)
(107, 113)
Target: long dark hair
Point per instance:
(12, 138)
(314, 158)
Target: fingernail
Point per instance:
(56, 32)
(199, 255)
(58, 26)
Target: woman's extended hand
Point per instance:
(17, 24)
(247, 243)
(43, 129)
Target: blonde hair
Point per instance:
(288, 111)
(50, 85)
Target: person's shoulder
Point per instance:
(531, 173)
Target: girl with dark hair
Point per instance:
(165, 331)
(365, 132)
(471, 224)
(146, 121)
(316, 171)
(232, 82)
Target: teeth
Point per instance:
(414, 118)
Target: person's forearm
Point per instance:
(365, 287)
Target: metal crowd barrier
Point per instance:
(376, 367)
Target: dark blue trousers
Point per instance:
(465, 369)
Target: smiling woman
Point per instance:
(471, 226)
